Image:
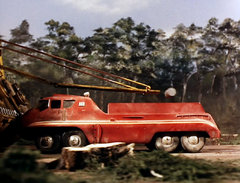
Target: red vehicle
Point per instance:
(68, 120)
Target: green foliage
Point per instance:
(139, 168)
(172, 168)
(19, 164)
(20, 159)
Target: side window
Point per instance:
(42, 105)
(68, 103)
(55, 104)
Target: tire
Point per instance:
(48, 144)
(74, 139)
(192, 143)
(167, 143)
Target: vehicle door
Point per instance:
(53, 112)
(69, 111)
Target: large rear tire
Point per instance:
(48, 144)
(192, 143)
(74, 139)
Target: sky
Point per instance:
(87, 15)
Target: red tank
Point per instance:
(69, 120)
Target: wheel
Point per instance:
(48, 143)
(192, 143)
(168, 143)
(74, 139)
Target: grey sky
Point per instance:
(87, 15)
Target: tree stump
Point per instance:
(105, 154)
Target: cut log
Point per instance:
(105, 154)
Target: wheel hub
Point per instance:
(46, 142)
(74, 140)
(193, 140)
(167, 140)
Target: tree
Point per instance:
(101, 49)
(183, 54)
(221, 49)
(21, 33)
(137, 49)
(61, 41)
(231, 44)
(124, 49)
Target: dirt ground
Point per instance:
(216, 153)
(209, 152)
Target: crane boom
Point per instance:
(124, 88)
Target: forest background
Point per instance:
(201, 63)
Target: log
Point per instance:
(73, 158)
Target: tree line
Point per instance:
(202, 63)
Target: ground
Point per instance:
(220, 153)
(209, 152)
(216, 153)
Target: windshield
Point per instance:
(42, 105)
